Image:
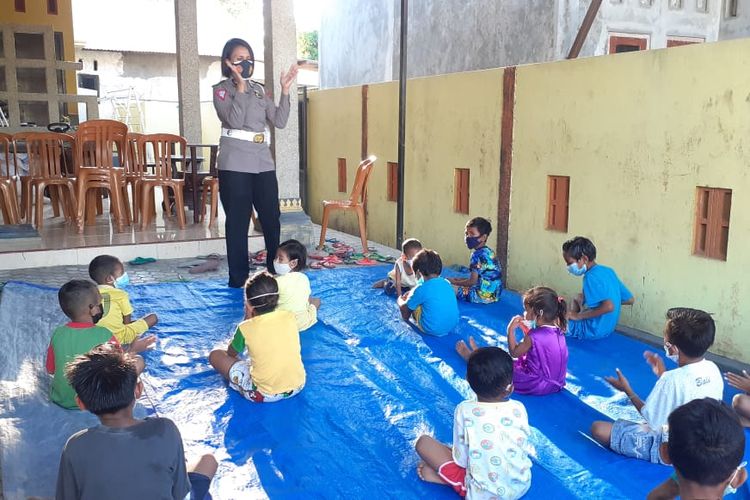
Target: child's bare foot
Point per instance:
(463, 350)
(428, 474)
(473, 344)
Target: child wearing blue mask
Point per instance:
(706, 446)
(109, 273)
(593, 314)
(485, 283)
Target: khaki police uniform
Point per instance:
(247, 174)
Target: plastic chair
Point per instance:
(135, 169)
(164, 147)
(47, 169)
(8, 178)
(97, 143)
(210, 187)
(356, 202)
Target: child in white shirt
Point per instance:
(687, 336)
(402, 278)
(294, 286)
(490, 454)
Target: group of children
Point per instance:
(95, 366)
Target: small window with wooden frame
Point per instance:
(392, 181)
(558, 192)
(342, 175)
(713, 206)
(678, 41)
(461, 191)
(20, 5)
(627, 43)
(52, 7)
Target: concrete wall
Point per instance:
(736, 27)
(459, 133)
(635, 149)
(359, 39)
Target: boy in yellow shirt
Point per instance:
(274, 369)
(109, 273)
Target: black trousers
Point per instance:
(239, 193)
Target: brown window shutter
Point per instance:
(342, 175)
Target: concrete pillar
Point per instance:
(280, 52)
(188, 69)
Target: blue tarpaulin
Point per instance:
(373, 386)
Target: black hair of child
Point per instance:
(104, 379)
(76, 297)
(546, 300)
(295, 250)
(262, 292)
(578, 247)
(226, 53)
(103, 266)
(706, 441)
(489, 372)
(428, 263)
(480, 224)
(411, 244)
(691, 330)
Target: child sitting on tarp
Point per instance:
(402, 278)
(82, 303)
(294, 286)
(432, 302)
(706, 446)
(687, 336)
(491, 448)
(124, 457)
(541, 358)
(109, 273)
(741, 402)
(594, 314)
(484, 285)
(274, 369)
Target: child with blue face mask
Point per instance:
(485, 283)
(294, 286)
(593, 314)
(706, 446)
(109, 273)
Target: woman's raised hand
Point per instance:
(287, 79)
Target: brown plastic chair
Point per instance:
(97, 143)
(356, 202)
(8, 181)
(210, 187)
(135, 170)
(47, 169)
(165, 152)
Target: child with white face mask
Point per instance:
(294, 286)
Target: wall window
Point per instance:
(558, 191)
(342, 175)
(731, 8)
(461, 191)
(624, 43)
(20, 5)
(52, 7)
(392, 181)
(677, 41)
(713, 206)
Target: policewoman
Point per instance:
(247, 174)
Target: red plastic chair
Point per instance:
(356, 202)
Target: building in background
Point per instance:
(359, 39)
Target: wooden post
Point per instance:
(583, 32)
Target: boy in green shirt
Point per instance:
(81, 301)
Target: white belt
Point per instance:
(247, 135)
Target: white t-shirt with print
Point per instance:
(408, 280)
(491, 440)
(679, 386)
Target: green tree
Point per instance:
(307, 45)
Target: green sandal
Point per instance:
(139, 261)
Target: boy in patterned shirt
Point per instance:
(490, 454)
(485, 283)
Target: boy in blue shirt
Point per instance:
(594, 314)
(485, 283)
(431, 303)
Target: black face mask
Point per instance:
(96, 317)
(247, 68)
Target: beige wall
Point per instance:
(637, 133)
(453, 121)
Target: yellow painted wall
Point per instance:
(453, 121)
(334, 131)
(36, 14)
(637, 133)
